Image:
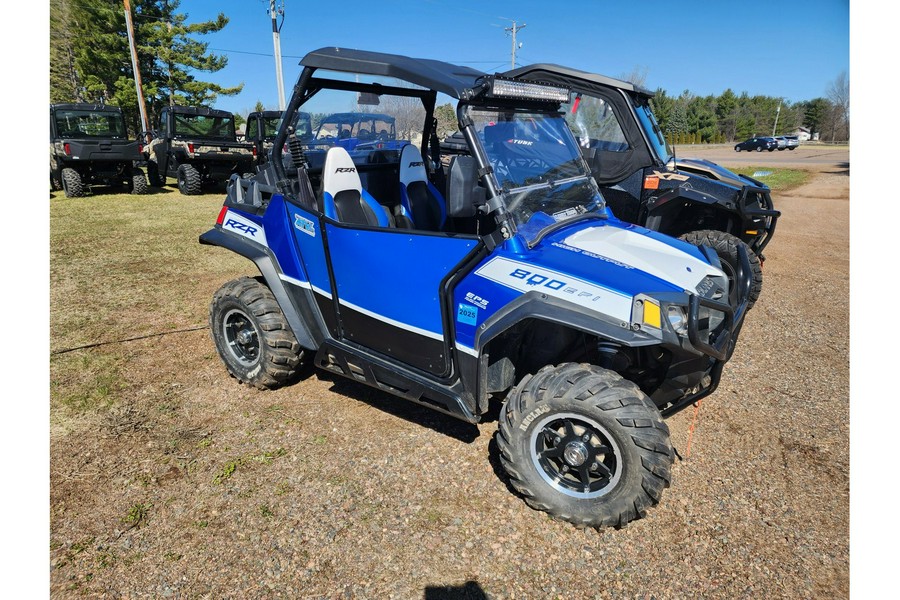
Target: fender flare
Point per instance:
(655, 214)
(268, 268)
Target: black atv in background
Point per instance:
(643, 181)
(196, 146)
(89, 145)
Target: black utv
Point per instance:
(261, 129)
(196, 145)
(644, 183)
(89, 145)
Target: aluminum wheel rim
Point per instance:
(241, 337)
(575, 455)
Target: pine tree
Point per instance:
(93, 32)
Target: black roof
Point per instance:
(443, 77)
(568, 77)
(198, 110)
(84, 106)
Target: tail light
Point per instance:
(191, 148)
(68, 149)
(140, 148)
(254, 150)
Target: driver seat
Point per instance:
(343, 196)
(420, 200)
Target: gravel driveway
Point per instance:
(197, 487)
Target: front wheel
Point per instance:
(759, 148)
(252, 335)
(156, 180)
(585, 445)
(726, 246)
(138, 182)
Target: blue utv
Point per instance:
(503, 278)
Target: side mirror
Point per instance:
(464, 193)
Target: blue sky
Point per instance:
(789, 48)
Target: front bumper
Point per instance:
(717, 345)
(758, 214)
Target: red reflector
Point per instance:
(221, 215)
(191, 148)
(140, 148)
(575, 104)
(254, 150)
(68, 149)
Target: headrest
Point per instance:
(339, 172)
(499, 132)
(412, 167)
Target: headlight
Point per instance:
(677, 319)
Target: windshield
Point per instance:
(90, 123)
(538, 166)
(654, 133)
(271, 127)
(204, 126)
(357, 125)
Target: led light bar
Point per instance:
(521, 90)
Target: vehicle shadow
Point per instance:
(470, 590)
(404, 409)
(843, 169)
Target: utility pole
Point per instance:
(138, 86)
(276, 39)
(777, 112)
(514, 29)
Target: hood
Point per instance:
(711, 170)
(602, 267)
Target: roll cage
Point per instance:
(472, 88)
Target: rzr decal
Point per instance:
(244, 227)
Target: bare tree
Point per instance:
(839, 94)
(408, 112)
(637, 76)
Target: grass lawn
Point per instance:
(779, 180)
(122, 267)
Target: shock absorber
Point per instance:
(298, 157)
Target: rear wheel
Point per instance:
(188, 180)
(71, 183)
(726, 246)
(737, 148)
(138, 182)
(252, 335)
(585, 445)
(55, 183)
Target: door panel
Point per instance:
(388, 289)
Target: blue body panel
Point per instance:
(395, 274)
(308, 239)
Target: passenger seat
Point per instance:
(343, 196)
(419, 199)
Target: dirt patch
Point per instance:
(170, 479)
